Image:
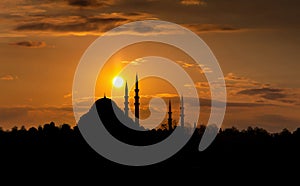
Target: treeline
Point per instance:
(51, 145)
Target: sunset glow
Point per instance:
(42, 43)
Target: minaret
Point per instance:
(181, 113)
(126, 103)
(136, 102)
(170, 116)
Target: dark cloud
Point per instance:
(7, 114)
(257, 91)
(30, 44)
(288, 101)
(244, 104)
(198, 28)
(207, 102)
(266, 93)
(215, 16)
(90, 24)
(93, 3)
(99, 23)
(274, 94)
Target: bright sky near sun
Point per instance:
(118, 81)
(256, 42)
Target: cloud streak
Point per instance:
(91, 24)
(274, 94)
(29, 115)
(202, 28)
(193, 2)
(8, 77)
(30, 44)
(92, 3)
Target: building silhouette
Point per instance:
(137, 106)
(181, 112)
(170, 116)
(126, 102)
(136, 101)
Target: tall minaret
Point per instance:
(136, 102)
(126, 103)
(181, 113)
(170, 116)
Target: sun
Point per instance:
(118, 81)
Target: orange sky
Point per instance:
(256, 42)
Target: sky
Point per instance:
(256, 43)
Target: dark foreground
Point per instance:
(52, 152)
(64, 150)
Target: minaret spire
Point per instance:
(181, 113)
(126, 102)
(137, 103)
(170, 116)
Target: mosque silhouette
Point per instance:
(137, 106)
(118, 123)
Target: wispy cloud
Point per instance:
(92, 3)
(23, 115)
(69, 95)
(17, 16)
(81, 25)
(8, 77)
(199, 67)
(193, 2)
(200, 28)
(137, 61)
(274, 94)
(237, 82)
(30, 44)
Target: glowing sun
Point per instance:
(118, 81)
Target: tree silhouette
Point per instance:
(53, 146)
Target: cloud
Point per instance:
(8, 77)
(203, 102)
(274, 94)
(29, 115)
(92, 3)
(69, 95)
(92, 24)
(85, 24)
(186, 64)
(234, 77)
(137, 61)
(199, 67)
(262, 91)
(215, 16)
(200, 28)
(193, 2)
(30, 44)
(237, 82)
